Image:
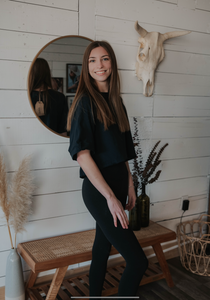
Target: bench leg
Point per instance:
(163, 264)
(30, 282)
(56, 283)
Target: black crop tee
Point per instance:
(107, 147)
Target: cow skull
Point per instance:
(150, 54)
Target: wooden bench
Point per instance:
(61, 251)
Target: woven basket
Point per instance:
(194, 245)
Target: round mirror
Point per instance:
(53, 80)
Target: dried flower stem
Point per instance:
(153, 161)
(15, 238)
(10, 236)
(3, 195)
(17, 209)
(21, 197)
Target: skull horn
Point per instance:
(172, 34)
(140, 29)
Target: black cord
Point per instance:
(181, 222)
(182, 216)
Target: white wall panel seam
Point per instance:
(180, 178)
(42, 5)
(187, 52)
(169, 2)
(191, 198)
(139, 94)
(185, 158)
(176, 117)
(169, 27)
(28, 32)
(177, 218)
(54, 193)
(206, 10)
(50, 218)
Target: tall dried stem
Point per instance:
(3, 195)
(21, 196)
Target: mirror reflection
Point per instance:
(53, 80)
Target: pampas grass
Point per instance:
(20, 197)
(3, 194)
(17, 205)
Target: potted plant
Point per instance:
(143, 175)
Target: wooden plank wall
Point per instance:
(178, 112)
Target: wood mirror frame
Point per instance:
(66, 50)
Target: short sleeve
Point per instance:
(82, 129)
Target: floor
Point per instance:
(188, 286)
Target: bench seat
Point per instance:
(61, 251)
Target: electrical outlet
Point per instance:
(185, 197)
(185, 204)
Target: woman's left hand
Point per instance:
(131, 198)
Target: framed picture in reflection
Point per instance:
(73, 72)
(57, 84)
(69, 100)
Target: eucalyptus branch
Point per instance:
(155, 177)
(138, 161)
(160, 152)
(152, 154)
(146, 171)
(154, 167)
(142, 174)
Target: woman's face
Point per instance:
(99, 64)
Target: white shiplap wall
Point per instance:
(178, 112)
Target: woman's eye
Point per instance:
(91, 60)
(106, 58)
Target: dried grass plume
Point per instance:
(16, 204)
(20, 196)
(3, 189)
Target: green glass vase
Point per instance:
(144, 207)
(134, 215)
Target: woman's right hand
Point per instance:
(117, 211)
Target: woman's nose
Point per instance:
(99, 64)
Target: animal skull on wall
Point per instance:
(150, 54)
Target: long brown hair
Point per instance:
(87, 86)
(40, 78)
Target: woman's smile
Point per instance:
(100, 72)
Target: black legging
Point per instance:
(124, 240)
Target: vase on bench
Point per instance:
(14, 283)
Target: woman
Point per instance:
(55, 111)
(101, 142)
